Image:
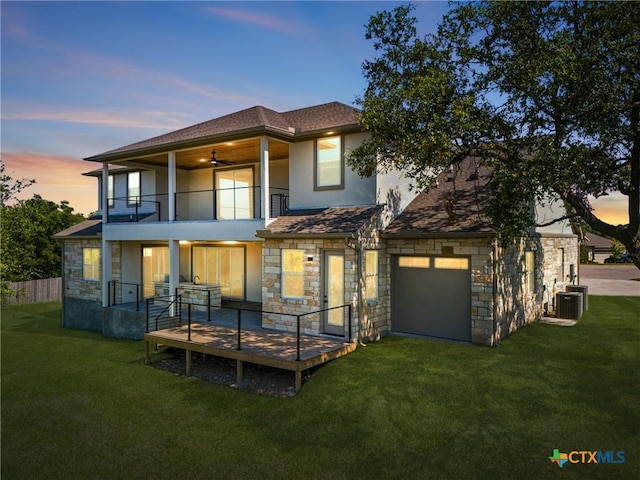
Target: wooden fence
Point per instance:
(33, 291)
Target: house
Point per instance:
(260, 206)
(598, 247)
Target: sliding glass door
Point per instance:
(221, 265)
(234, 194)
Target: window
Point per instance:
(292, 273)
(530, 272)
(414, 262)
(371, 274)
(91, 263)
(451, 263)
(234, 194)
(329, 166)
(561, 265)
(110, 191)
(155, 268)
(133, 188)
(222, 266)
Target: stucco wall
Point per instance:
(356, 191)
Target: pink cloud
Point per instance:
(273, 23)
(57, 178)
(134, 119)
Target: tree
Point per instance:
(546, 94)
(9, 187)
(27, 251)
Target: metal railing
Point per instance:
(165, 312)
(113, 293)
(236, 203)
(165, 320)
(134, 209)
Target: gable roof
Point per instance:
(321, 222)
(457, 204)
(252, 121)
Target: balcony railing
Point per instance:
(238, 203)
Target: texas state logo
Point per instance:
(587, 456)
(559, 458)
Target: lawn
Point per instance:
(79, 406)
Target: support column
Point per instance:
(171, 185)
(174, 267)
(105, 276)
(264, 181)
(106, 270)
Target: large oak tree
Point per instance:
(547, 94)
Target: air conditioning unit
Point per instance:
(569, 305)
(584, 290)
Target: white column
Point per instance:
(171, 185)
(105, 276)
(106, 270)
(264, 180)
(174, 267)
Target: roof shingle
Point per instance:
(322, 221)
(258, 118)
(457, 205)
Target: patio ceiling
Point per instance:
(243, 151)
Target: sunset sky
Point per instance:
(81, 78)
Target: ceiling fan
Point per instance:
(215, 162)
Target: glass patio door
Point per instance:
(222, 266)
(234, 194)
(333, 285)
(155, 268)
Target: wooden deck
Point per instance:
(263, 347)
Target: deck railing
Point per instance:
(165, 312)
(237, 203)
(159, 315)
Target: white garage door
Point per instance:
(431, 295)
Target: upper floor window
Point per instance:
(133, 188)
(110, 195)
(329, 164)
(91, 264)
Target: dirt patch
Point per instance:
(258, 379)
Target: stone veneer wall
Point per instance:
(82, 299)
(75, 286)
(311, 301)
(514, 306)
(194, 294)
(480, 252)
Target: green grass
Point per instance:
(79, 406)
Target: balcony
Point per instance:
(220, 204)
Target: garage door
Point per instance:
(431, 296)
